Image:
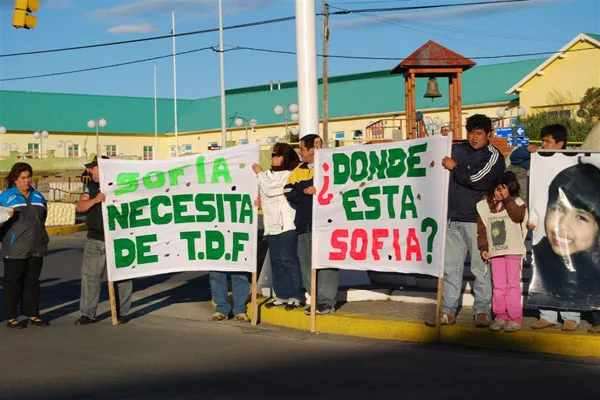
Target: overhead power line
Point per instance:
(235, 48)
(250, 24)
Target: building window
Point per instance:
(73, 150)
(559, 114)
(148, 152)
(339, 135)
(357, 134)
(214, 146)
(33, 150)
(186, 148)
(272, 139)
(111, 150)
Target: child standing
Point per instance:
(501, 230)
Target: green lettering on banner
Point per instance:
(367, 194)
(214, 238)
(247, 211)
(143, 248)
(341, 168)
(158, 219)
(396, 166)
(200, 170)
(159, 180)
(408, 202)
(119, 216)
(390, 192)
(414, 160)
(238, 246)
(233, 199)
(355, 174)
(124, 252)
(221, 170)
(136, 209)
(129, 180)
(207, 211)
(175, 173)
(191, 237)
(377, 165)
(179, 208)
(349, 204)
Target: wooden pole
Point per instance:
(253, 300)
(458, 99)
(313, 300)
(113, 303)
(438, 310)
(325, 75)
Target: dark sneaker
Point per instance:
(37, 321)
(293, 304)
(123, 320)
(15, 324)
(85, 320)
(307, 311)
(482, 320)
(275, 303)
(324, 309)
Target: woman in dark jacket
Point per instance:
(567, 260)
(24, 244)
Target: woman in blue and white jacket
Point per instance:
(280, 231)
(24, 244)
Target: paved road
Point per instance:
(171, 351)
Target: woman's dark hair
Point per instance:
(509, 179)
(290, 157)
(16, 171)
(580, 183)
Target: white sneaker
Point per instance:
(498, 324)
(512, 326)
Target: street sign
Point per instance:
(520, 130)
(504, 132)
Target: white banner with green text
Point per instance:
(192, 213)
(381, 207)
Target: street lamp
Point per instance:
(241, 121)
(64, 145)
(521, 111)
(97, 123)
(41, 135)
(2, 130)
(291, 114)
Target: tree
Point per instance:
(590, 105)
(577, 130)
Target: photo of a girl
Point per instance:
(566, 262)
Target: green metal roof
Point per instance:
(593, 35)
(352, 95)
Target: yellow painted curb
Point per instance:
(65, 229)
(526, 340)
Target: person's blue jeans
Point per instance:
(461, 238)
(240, 287)
(327, 279)
(285, 266)
(92, 269)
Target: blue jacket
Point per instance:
(474, 174)
(24, 235)
(520, 157)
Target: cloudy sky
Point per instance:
(471, 30)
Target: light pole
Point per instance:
(521, 111)
(97, 123)
(41, 135)
(241, 121)
(2, 132)
(291, 110)
(64, 145)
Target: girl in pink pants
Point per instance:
(501, 230)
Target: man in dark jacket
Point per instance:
(94, 253)
(474, 167)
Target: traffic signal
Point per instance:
(22, 17)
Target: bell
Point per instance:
(432, 89)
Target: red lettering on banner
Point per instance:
(355, 253)
(396, 245)
(338, 244)
(325, 198)
(413, 246)
(377, 243)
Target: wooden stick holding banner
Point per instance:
(440, 289)
(113, 303)
(313, 300)
(253, 300)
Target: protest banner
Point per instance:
(192, 213)
(565, 209)
(382, 207)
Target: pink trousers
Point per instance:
(506, 299)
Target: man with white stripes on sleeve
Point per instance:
(474, 166)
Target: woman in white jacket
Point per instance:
(280, 231)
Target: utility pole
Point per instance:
(325, 83)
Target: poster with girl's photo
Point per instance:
(565, 218)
